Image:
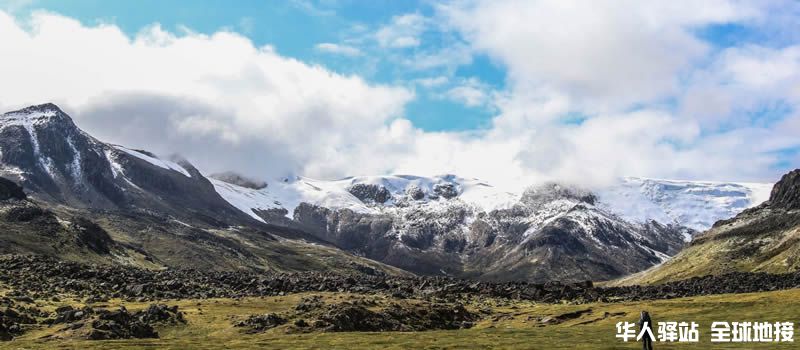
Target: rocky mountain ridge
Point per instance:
(92, 201)
(468, 228)
(444, 225)
(765, 238)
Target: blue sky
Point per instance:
(294, 28)
(532, 90)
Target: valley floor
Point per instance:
(507, 324)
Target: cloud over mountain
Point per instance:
(621, 89)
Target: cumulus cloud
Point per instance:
(448, 57)
(403, 32)
(652, 97)
(432, 81)
(603, 57)
(470, 92)
(742, 80)
(338, 49)
(163, 91)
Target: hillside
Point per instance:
(94, 201)
(97, 202)
(462, 227)
(764, 238)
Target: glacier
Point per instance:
(692, 204)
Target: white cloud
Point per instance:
(311, 8)
(226, 104)
(470, 92)
(603, 56)
(13, 6)
(338, 49)
(448, 57)
(432, 81)
(741, 80)
(247, 25)
(403, 32)
(236, 98)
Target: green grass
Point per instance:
(210, 326)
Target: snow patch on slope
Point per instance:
(245, 199)
(165, 164)
(75, 166)
(694, 204)
(335, 195)
(29, 121)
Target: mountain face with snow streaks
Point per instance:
(104, 203)
(764, 238)
(437, 225)
(466, 227)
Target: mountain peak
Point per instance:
(37, 114)
(551, 191)
(42, 108)
(786, 193)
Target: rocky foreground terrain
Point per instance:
(382, 303)
(41, 277)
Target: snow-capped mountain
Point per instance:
(764, 238)
(459, 226)
(41, 148)
(364, 194)
(693, 204)
(431, 225)
(93, 201)
(465, 227)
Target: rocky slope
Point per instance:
(448, 225)
(551, 233)
(98, 202)
(694, 204)
(764, 238)
(51, 157)
(39, 277)
(133, 207)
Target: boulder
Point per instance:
(414, 192)
(446, 190)
(370, 193)
(10, 190)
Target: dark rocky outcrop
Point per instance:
(15, 319)
(86, 322)
(10, 190)
(406, 318)
(366, 314)
(415, 193)
(445, 190)
(119, 324)
(90, 235)
(260, 323)
(44, 276)
(786, 192)
(239, 180)
(370, 193)
(160, 314)
(26, 212)
(69, 314)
